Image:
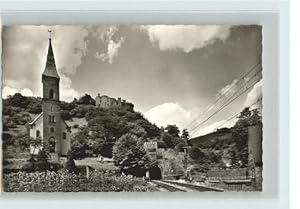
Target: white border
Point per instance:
(273, 15)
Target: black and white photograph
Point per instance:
(132, 108)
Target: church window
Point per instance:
(50, 119)
(51, 108)
(52, 130)
(51, 94)
(64, 135)
(37, 133)
(53, 119)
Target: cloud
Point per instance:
(171, 113)
(29, 44)
(26, 92)
(69, 46)
(67, 93)
(227, 90)
(254, 95)
(7, 91)
(186, 37)
(113, 44)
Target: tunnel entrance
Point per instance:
(155, 173)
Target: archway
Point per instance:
(155, 173)
(52, 145)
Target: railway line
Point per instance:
(181, 187)
(167, 186)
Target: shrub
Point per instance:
(42, 163)
(70, 165)
(63, 181)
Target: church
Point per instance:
(48, 125)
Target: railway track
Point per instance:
(173, 186)
(168, 186)
(194, 187)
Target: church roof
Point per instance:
(41, 114)
(50, 68)
(37, 117)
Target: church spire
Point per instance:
(50, 68)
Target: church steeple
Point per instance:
(50, 77)
(50, 68)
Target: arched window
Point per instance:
(51, 94)
(51, 129)
(64, 135)
(38, 133)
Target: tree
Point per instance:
(70, 164)
(168, 140)
(17, 100)
(196, 153)
(42, 163)
(173, 130)
(36, 143)
(24, 142)
(86, 100)
(130, 156)
(240, 133)
(185, 135)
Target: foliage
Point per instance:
(240, 134)
(168, 140)
(35, 143)
(80, 111)
(24, 141)
(42, 163)
(107, 125)
(173, 130)
(130, 156)
(195, 153)
(70, 164)
(86, 100)
(185, 135)
(64, 181)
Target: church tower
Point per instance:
(52, 129)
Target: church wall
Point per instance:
(32, 132)
(52, 108)
(65, 143)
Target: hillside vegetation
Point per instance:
(94, 130)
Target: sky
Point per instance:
(173, 74)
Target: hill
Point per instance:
(94, 130)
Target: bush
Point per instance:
(42, 163)
(69, 182)
(70, 165)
